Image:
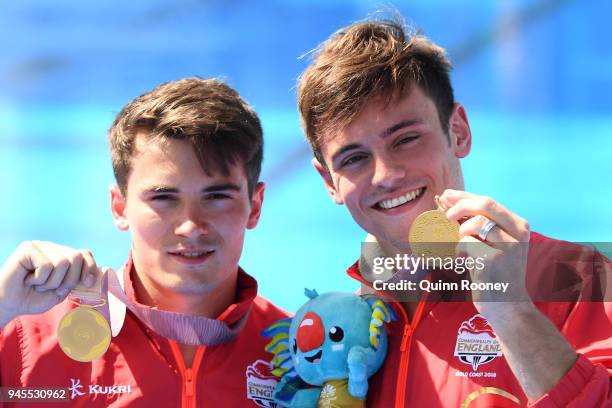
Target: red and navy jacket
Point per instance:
(142, 368)
(448, 355)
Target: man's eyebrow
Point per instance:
(221, 187)
(345, 149)
(404, 123)
(160, 189)
(209, 189)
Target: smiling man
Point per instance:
(186, 158)
(378, 109)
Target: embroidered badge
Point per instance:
(260, 384)
(476, 342)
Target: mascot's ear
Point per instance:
(279, 346)
(311, 293)
(381, 313)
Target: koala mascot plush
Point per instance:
(328, 350)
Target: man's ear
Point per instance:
(256, 204)
(327, 179)
(118, 204)
(459, 131)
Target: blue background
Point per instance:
(535, 77)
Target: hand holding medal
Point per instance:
(498, 235)
(40, 275)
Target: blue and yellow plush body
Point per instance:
(329, 349)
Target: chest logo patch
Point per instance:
(476, 342)
(260, 384)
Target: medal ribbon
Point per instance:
(183, 328)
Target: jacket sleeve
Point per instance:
(8, 338)
(588, 383)
(10, 354)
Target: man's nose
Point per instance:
(387, 173)
(193, 222)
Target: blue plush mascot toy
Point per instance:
(328, 350)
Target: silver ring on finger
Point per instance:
(486, 228)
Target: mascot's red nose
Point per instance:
(310, 334)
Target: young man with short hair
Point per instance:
(378, 109)
(186, 158)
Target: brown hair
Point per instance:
(376, 58)
(219, 124)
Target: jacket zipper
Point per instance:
(400, 388)
(188, 375)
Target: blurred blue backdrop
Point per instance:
(535, 76)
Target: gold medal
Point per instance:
(434, 235)
(84, 333)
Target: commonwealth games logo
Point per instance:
(476, 342)
(260, 384)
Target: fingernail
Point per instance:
(89, 280)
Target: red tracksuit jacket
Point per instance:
(143, 369)
(440, 358)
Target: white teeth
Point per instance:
(191, 254)
(395, 202)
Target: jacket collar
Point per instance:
(246, 291)
(182, 327)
